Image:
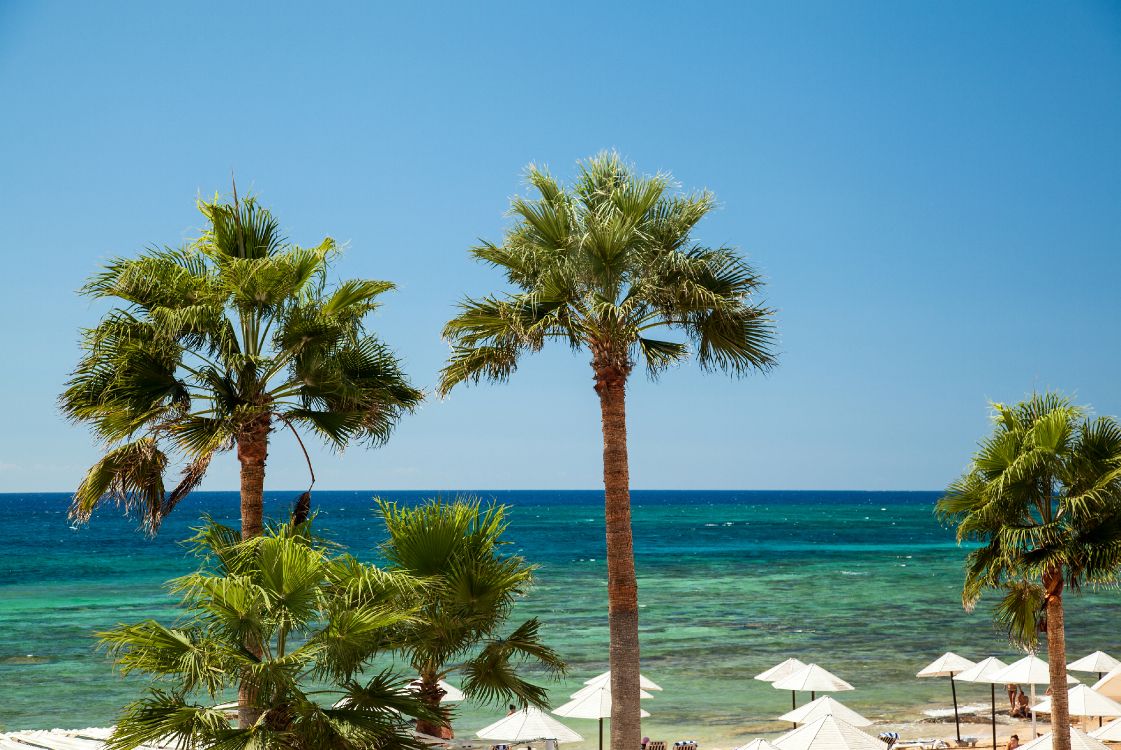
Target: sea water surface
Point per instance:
(867, 584)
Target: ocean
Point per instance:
(867, 584)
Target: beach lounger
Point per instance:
(890, 738)
(922, 743)
(968, 741)
(659, 745)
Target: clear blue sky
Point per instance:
(933, 191)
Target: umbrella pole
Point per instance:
(992, 705)
(813, 696)
(957, 721)
(601, 733)
(1099, 718)
(1034, 734)
(793, 705)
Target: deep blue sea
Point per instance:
(866, 584)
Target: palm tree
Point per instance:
(456, 549)
(317, 620)
(213, 346)
(601, 266)
(1043, 497)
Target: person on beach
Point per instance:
(1013, 742)
(1022, 704)
(1012, 691)
(513, 710)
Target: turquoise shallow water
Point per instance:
(866, 584)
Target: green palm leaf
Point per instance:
(280, 593)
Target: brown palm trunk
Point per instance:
(252, 450)
(1056, 662)
(622, 586)
(431, 694)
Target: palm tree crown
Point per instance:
(213, 344)
(471, 585)
(1043, 494)
(602, 265)
(316, 619)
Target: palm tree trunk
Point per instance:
(252, 450)
(1056, 661)
(622, 586)
(431, 694)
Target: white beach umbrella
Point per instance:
(986, 670)
(643, 682)
(1111, 732)
(1084, 701)
(602, 690)
(45, 740)
(812, 679)
(531, 724)
(1031, 671)
(781, 670)
(1079, 740)
(594, 702)
(1099, 662)
(825, 706)
(1110, 685)
(947, 665)
(757, 744)
(828, 733)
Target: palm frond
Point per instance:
(130, 475)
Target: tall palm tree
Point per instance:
(1043, 497)
(318, 618)
(471, 585)
(213, 346)
(601, 266)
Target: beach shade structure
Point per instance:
(812, 679)
(452, 694)
(828, 733)
(1079, 740)
(947, 665)
(1031, 671)
(781, 670)
(1110, 685)
(531, 724)
(20, 741)
(90, 738)
(986, 671)
(643, 682)
(1098, 662)
(1111, 732)
(594, 702)
(825, 706)
(1084, 702)
(757, 744)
